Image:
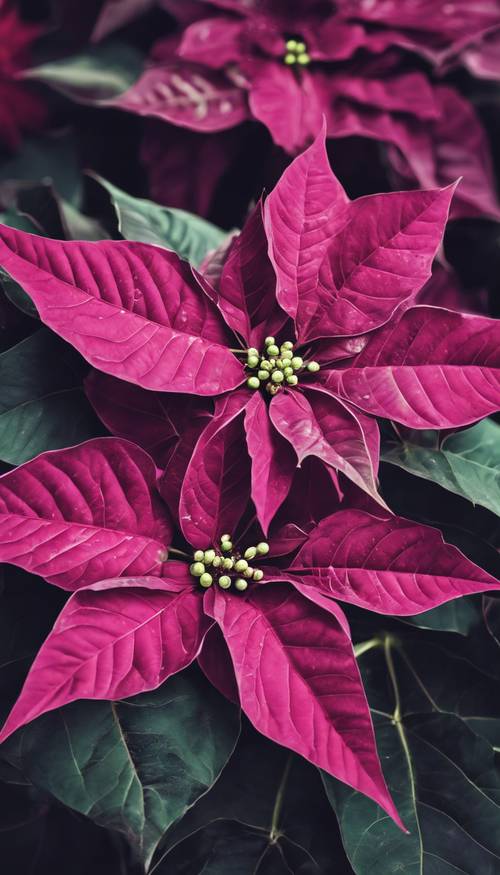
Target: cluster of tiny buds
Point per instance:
(296, 53)
(225, 566)
(278, 367)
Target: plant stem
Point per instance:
(278, 804)
(365, 646)
(179, 553)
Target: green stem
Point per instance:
(365, 646)
(239, 351)
(278, 804)
(179, 553)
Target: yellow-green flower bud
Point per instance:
(209, 556)
(267, 366)
(313, 367)
(253, 361)
(250, 553)
(206, 580)
(303, 58)
(293, 380)
(263, 548)
(240, 565)
(277, 377)
(227, 563)
(217, 562)
(263, 376)
(288, 372)
(291, 45)
(272, 349)
(248, 572)
(269, 341)
(197, 569)
(240, 584)
(258, 574)
(272, 389)
(297, 362)
(199, 555)
(286, 354)
(225, 538)
(253, 382)
(288, 345)
(252, 351)
(226, 546)
(225, 581)
(300, 48)
(279, 363)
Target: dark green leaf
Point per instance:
(467, 463)
(100, 73)
(137, 765)
(42, 404)
(459, 615)
(138, 219)
(53, 160)
(443, 775)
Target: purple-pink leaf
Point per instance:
(245, 290)
(83, 514)
(432, 369)
(215, 663)
(344, 268)
(299, 683)
(291, 110)
(133, 310)
(320, 425)
(186, 94)
(391, 566)
(215, 488)
(113, 640)
(273, 461)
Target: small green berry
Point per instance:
(291, 45)
(226, 546)
(313, 367)
(240, 565)
(304, 59)
(252, 351)
(288, 345)
(263, 548)
(225, 581)
(248, 572)
(197, 569)
(288, 372)
(279, 363)
(286, 354)
(297, 362)
(206, 580)
(227, 563)
(209, 556)
(300, 48)
(258, 574)
(253, 361)
(199, 556)
(277, 377)
(225, 538)
(269, 341)
(263, 376)
(293, 380)
(253, 382)
(272, 349)
(240, 584)
(250, 553)
(217, 562)
(267, 366)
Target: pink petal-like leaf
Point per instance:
(187, 95)
(245, 292)
(212, 42)
(299, 683)
(432, 369)
(273, 461)
(391, 566)
(215, 663)
(216, 486)
(80, 515)
(344, 268)
(133, 310)
(111, 641)
(318, 425)
(291, 110)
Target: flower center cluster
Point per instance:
(296, 53)
(226, 566)
(279, 367)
